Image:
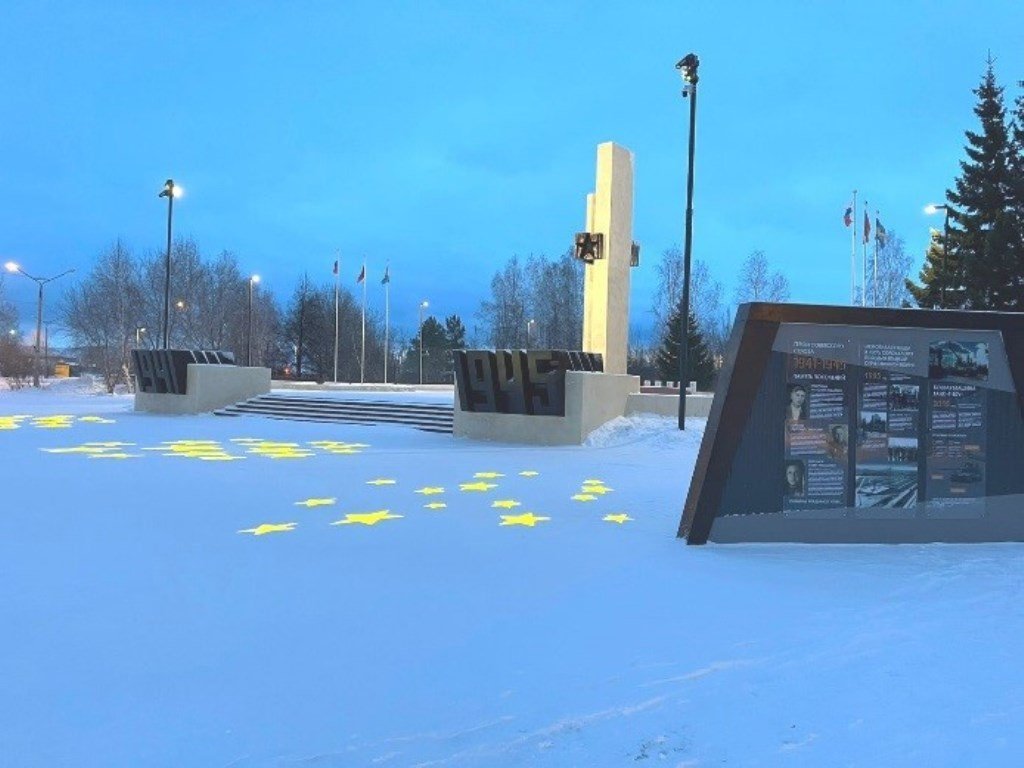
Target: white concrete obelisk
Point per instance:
(606, 281)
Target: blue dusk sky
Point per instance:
(445, 137)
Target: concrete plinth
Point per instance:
(591, 399)
(208, 387)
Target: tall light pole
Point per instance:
(930, 209)
(40, 281)
(687, 67)
(170, 191)
(139, 330)
(423, 305)
(529, 327)
(248, 337)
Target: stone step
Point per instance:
(426, 417)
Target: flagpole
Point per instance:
(853, 253)
(362, 355)
(337, 273)
(864, 262)
(874, 291)
(387, 310)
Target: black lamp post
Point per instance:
(40, 281)
(423, 305)
(170, 191)
(687, 67)
(945, 249)
(248, 337)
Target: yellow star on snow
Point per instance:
(316, 502)
(529, 473)
(114, 456)
(481, 486)
(506, 504)
(620, 519)
(380, 481)
(435, 505)
(593, 482)
(370, 518)
(600, 490)
(583, 497)
(264, 528)
(430, 490)
(487, 475)
(528, 519)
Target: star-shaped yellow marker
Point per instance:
(370, 518)
(583, 497)
(435, 505)
(528, 519)
(487, 475)
(600, 490)
(529, 473)
(506, 504)
(114, 456)
(430, 490)
(620, 519)
(593, 482)
(265, 528)
(481, 486)
(316, 502)
(380, 481)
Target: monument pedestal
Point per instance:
(591, 399)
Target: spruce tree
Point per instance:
(982, 231)
(1016, 185)
(699, 362)
(937, 263)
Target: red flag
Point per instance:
(867, 226)
(335, 266)
(848, 216)
(362, 275)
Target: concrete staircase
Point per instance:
(429, 417)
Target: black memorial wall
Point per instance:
(529, 382)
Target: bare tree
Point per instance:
(758, 283)
(504, 315)
(101, 313)
(555, 302)
(894, 265)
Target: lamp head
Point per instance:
(171, 189)
(933, 208)
(425, 304)
(10, 266)
(687, 67)
(254, 279)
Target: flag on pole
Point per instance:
(880, 233)
(848, 216)
(867, 227)
(362, 275)
(387, 275)
(335, 266)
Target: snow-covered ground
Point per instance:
(142, 628)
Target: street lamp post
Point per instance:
(945, 248)
(687, 67)
(248, 337)
(170, 191)
(529, 327)
(40, 281)
(139, 330)
(423, 305)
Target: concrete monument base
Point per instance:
(208, 387)
(591, 399)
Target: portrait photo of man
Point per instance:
(796, 404)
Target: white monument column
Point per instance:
(606, 281)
